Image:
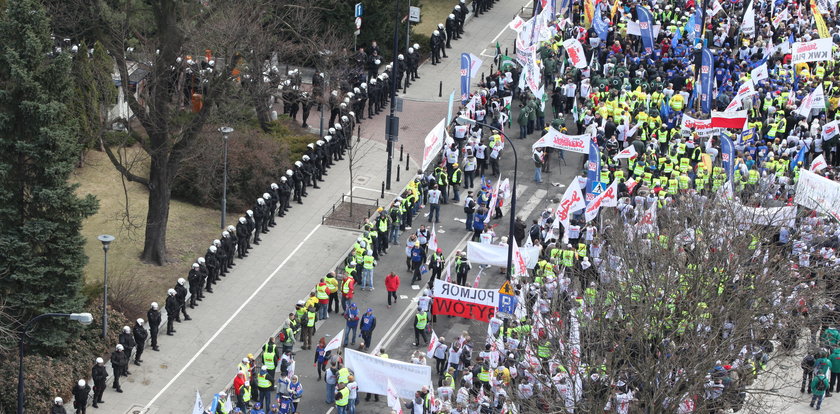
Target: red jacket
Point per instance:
(392, 282)
(238, 382)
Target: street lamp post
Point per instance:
(106, 240)
(512, 213)
(226, 131)
(83, 318)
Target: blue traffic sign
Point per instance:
(360, 10)
(507, 304)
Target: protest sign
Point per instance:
(466, 302)
(373, 374)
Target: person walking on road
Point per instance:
(421, 319)
(392, 285)
(368, 324)
(819, 386)
(434, 204)
(352, 324)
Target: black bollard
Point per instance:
(398, 173)
(506, 52)
(382, 195)
(440, 90)
(407, 156)
(401, 152)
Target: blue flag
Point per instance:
(800, 157)
(593, 170)
(215, 403)
(727, 156)
(665, 110)
(696, 23)
(646, 28)
(676, 40)
(598, 24)
(466, 63)
(707, 67)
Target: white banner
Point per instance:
(818, 164)
(575, 51)
(766, 216)
(760, 73)
(703, 127)
(559, 140)
(374, 373)
(814, 100)
(533, 74)
(748, 25)
(335, 342)
(496, 255)
(433, 143)
(633, 29)
(572, 201)
(814, 51)
(829, 130)
(818, 193)
(451, 291)
(523, 51)
(629, 152)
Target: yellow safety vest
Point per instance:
(268, 357)
(368, 262)
(484, 375)
(343, 375)
(345, 288)
(246, 393)
(332, 284)
(263, 382)
(321, 292)
(345, 397)
(421, 321)
(310, 319)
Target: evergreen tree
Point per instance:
(42, 260)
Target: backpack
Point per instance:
(821, 384)
(469, 205)
(282, 336)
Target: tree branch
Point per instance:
(120, 167)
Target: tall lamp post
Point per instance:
(106, 240)
(226, 131)
(83, 318)
(465, 120)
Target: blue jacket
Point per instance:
(478, 221)
(352, 317)
(368, 322)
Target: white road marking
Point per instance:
(415, 287)
(230, 319)
(403, 296)
(531, 204)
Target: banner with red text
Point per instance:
(434, 142)
(466, 302)
(559, 140)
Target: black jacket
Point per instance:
(153, 316)
(119, 359)
(194, 277)
(180, 293)
(140, 334)
(99, 374)
(172, 306)
(127, 340)
(80, 394)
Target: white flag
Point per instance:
(647, 224)
(572, 201)
(433, 343)
(830, 130)
(393, 397)
(228, 405)
(716, 8)
(516, 24)
(335, 342)
(433, 242)
(629, 152)
(784, 15)
(818, 164)
(760, 73)
(814, 100)
(475, 65)
(748, 25)
(608, 198)
(198, 408)
(519, 266)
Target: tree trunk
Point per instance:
(160, 193)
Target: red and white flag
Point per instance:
(433, 242)
(732, 119)
(477, 278)
(449, 273)
(494, 199)
(393, 397)
(433, 343)
(647, 224)
(572, 201)
(629, 152)
(335, 342)
(631, 184)
(818, 164)
(608, 198)
(519, 266)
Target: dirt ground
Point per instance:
(191, 230)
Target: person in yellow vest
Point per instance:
(348, 289)
(221, 406)
(264, 384)
(342, 398)
(270, 357)
(323, 299)
(308, 328)
(421, 319)
(332, 291)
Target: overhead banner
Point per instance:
(373, 374)
(559, 140)
(466, 302)
(646, 28)
(496, 255)
(434, 142)
(707, 67)
(593, 171)
(575, 51)
(818, 193)
(813, 51)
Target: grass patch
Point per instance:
(433, 12)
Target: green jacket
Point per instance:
(822, 365)
(835, 361)
(819, 378)
(523, 115)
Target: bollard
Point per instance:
(401, 152)
(482, 77)
(440, 90)
(506, 52)
(491, 69)
(407, 156)
(382, 195)
(398, 173)
(514, 48)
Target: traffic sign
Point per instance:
(507, 304)
(358, 23)
(359, 10)
(506, 289)
(414, 14)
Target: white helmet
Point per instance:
(343, 104)
(58, 400)
(356, 90)
(196, 265)
(331, 131)
(266, 196)
(298, 164)
(245, 360)
(400, 57)
(363, 85)
(250, 213)
(334, 93)
(283, 179)
(231, 229)
(217, 242)
(345, 119)
(306, 157)
(242, 220)
(377, 62)
(100, 361)
(350, 95)
(337, 125)
(328, 138)
(274, 186)
(457, 7)
(440, 26)
(410, 50)
(451, 16)
(126, 329)
(82, 383)
(140, 321)
(373, 81)
(200, 260)
(436, 33)
(213, 249)
(225, 234)
(155, 304)
(351, 113)
(320, 143)
(181, 282)
(260, 201)
(289, 173)
(120, 347)
(416, 46)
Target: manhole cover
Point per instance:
(361, 180)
